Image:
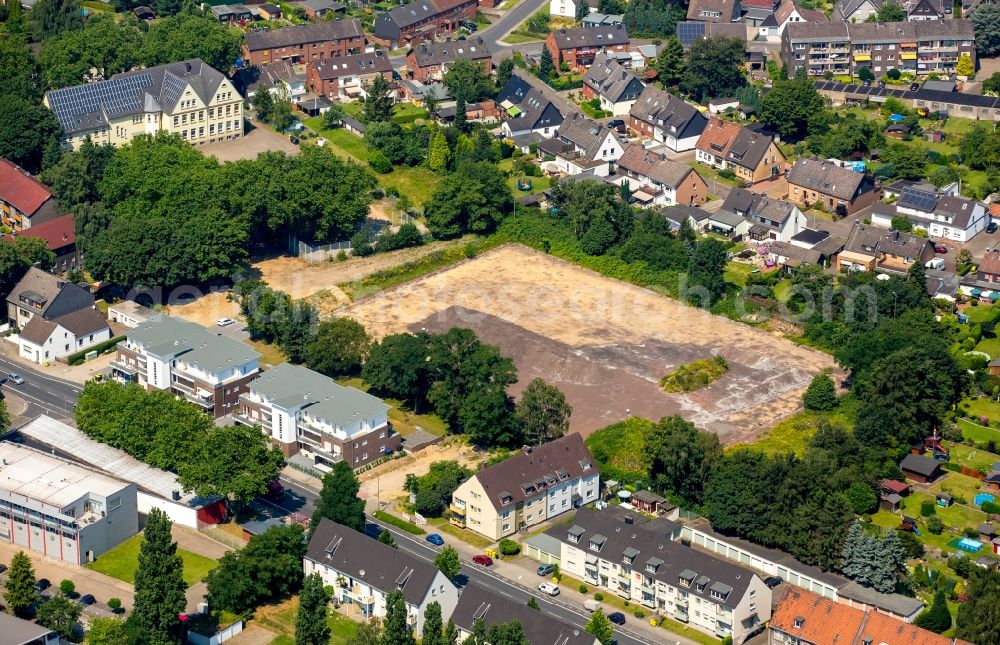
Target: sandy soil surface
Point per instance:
(603, 342)
(385, 482)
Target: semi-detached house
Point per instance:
(422, 20)
(362, 572)
(304, 412)
(174, 355)
(582, 145)
(305, 43)
(579, 47)
(24, 201)
(610, 82)
(430, 61)
(531, 487)
(666, 118)
(838, 189)
(526, 110)
(751, 154)
(639, 560)
(345, 78)
(942, 215)
(657, 181)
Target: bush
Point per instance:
(893, 74)
(407, 236)
(115, 604)
(991, 507)
(341, 255)
(821, 394)
(100, 348)
(470, 250)
(509, 547)
(935, 525)
(582, 588)
(379, 162)
(727, 173)
(67, 587)
(361, 243)
(639, 613)
(598, 596)
(927, 508)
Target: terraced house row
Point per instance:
(921, 48)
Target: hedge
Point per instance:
(100, 348)
(409, 527)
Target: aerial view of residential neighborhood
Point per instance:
(500, 322)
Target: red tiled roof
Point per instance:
(17, 187)
(816, 620)
(882, 628)
(895, 486)
(58, 233)
(718, 136)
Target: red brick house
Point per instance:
(60, 238)
(24, 201)
(989, 268)
(305, 43)
(429, 61)
(345, 77)
(578, 47)
(422, 20)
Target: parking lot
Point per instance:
(258, 140)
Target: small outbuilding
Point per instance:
(919, 468)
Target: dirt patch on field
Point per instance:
(603, 342)
(385, 482)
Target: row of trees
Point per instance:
(232, 461)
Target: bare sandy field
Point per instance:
(603, 342)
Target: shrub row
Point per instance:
(100, 348)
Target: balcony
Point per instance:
(457, 520)
(648, 601)
(359, 596)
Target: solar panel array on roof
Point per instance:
(688, 32)
(115, 97)
(919, 199)
(173, 87)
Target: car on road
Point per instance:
(992, 227)
(435, 539)
(484, 560)
(616, 124)
(772, 581)
(16, 378)
(549, 589)
(546, 569)
(3, 568)
(224, 322)
(42, 585)
(914, 87)
(617, 618)
(87, 599)
(938, 248)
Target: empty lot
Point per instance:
(603, 342)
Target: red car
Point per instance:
(484, 560)
(938, 248)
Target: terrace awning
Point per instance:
(908, 56)
(977, 292)
(863, 57)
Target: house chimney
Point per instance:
(187, 66)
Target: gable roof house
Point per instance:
(811, 180)
(855, 10)
(24, 201)
(582, 145)
(666, 118)
(527, 110)
(942, 215)
(714, 10)
(788, 12)
(568, 8)
(479, 603)
(989, 268)
(318, 8)
(615, 86)
(869, 248)
(657, 181)
(430, 61)
(578, 47)
(344, 78)
(305, 43)
(638, 559)
(41, 294)
(691, 31)
(528, 488)
(919, 468)
(188, 98)
(363, 571)
(422, 20)
(43, 340)
(282, 78)
(232, 12)
(769, 219)
(59, 235)
(752, 155)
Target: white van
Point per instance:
(935, 263)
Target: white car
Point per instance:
(224, 322)
(549, 588)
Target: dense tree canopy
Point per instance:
(339, 347)
(714, 68)
(599, 216)
(17, 256)
(469, 80)
(473, 199)
(433, 490)
(235, 460)
(986, 22)
(338, 500)
(652, 18)
(102, 48)
(543, 412)
(978, 619)
(682, 458)
(793, 108)
(29, 133)
(186, 36)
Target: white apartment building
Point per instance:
(202, 366)
(638, 559)
(534, 485)
(305, 412)
(363, 571)
(61, 510)
(943, 214)
(188, 98)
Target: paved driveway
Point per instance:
(258, 140)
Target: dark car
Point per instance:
(294, 139)
(881, 84)
(617, 618)
(87, 599)
(992, 228)
(484, 560)
(546, 569)
(274, 490)
(914, 87)
(938, 248)
(3, 568)
(616, 124)
(42, 585)
(772, 581)
(435, 539)
(866, 83)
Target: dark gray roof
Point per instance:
(871, 32)
(584, 133)
(85, 107)
(314, 32)
(668, 112)
(431, 53)
(749, 148)
(690, 31)
(631, 533)
(591, 37)
(679, 213)
(809, 236)
(739, 201)
(919, 464)
(357, 65)
(83, 321)
(537, 110)
(796, 254)
(17, 630)
(363, 558)
(892, 602)
(871, 239)
(610, 79)
(539, 628)
(829, 178)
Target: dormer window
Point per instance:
(798, 622)
(596, 542)
(505, 498)
(629, 554)
(574, 534)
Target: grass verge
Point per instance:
(399, 523)
(122, 561)
(281, 620)
(469, 537)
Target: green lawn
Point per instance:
(781, 290)
(959, 485)
(989, 345)
(468, 536)
(738, 272)
(517, 39)
(538, 186)
(971, 457)
(979, 313)
(956, 515)
(122, 561)
(982, 407)
(794, 433)
(977, 432)
(342, 629)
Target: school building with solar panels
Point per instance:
(188, 98)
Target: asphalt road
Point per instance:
(507, 22)
(44, 394)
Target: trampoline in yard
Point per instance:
(983, 497)
(966, 544)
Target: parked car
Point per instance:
(546, 569)
(435, 539)
(16, 378)
(42, 585)
(87, 599)
(772, 581)
(617, 618)
(616, 124)
(992, 227)
(3, 568)
(274, 490)
(914, 87)
(484, 560)
(294, 139)
(935, 263)
(549, 589)
(940, 248)
(881, 84)
(224, 322)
